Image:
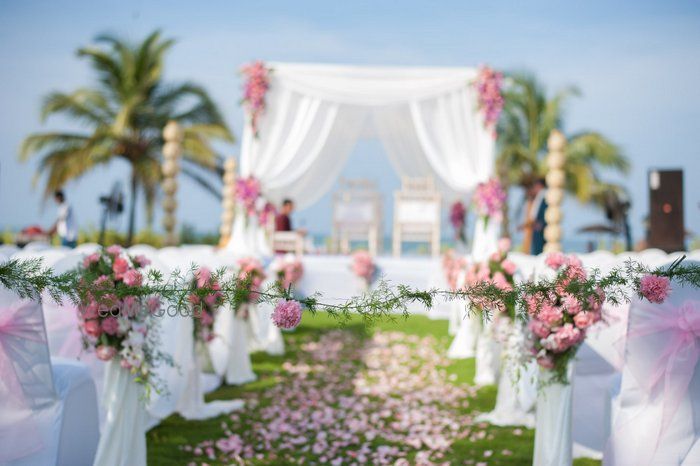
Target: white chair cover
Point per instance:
(49, 414)
(658, 415)
(229, 351)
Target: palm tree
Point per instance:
(124, 114)
(529, 115)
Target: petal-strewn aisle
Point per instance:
(386, 395)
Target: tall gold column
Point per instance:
(172, 150)
(556, 179)
(228, 201)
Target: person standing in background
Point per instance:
(537, 210)
(283, 219)
(65, 225)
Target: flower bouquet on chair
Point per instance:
(205, 298)
(558, 323)
(116, 322)
(497, 271)
(364, 268)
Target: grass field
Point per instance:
(474, 444)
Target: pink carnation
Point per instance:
(110, 325)
(504, 245)
(103, 281)
(545, 361)
(153, 304)
(550, 314)
(114, 250)
(141, 260)
(509, 267)
(567, 336)
(120, 267)
(91, 259)
(655, 288)
(555, 260)
(540, 329)
(572, 304)
(203, 276)
(133, 277)
(105, 353)
(92, 328)
(287, 314)
(586, 319)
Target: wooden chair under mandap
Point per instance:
(287, 241)
(417, 214)
(357, 216)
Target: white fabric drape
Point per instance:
(427, 119)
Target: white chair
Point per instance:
(357, 216)
(49, 407)
(417, 214)
(656, 415)
(288, 241)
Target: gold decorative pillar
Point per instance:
(556, 179)
(228, 201)
(172, 150)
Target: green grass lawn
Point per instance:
(166, 441)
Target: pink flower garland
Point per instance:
(257, 82)
(488, 85)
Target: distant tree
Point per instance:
(529, 115)
(125, 112)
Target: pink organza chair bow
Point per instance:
(658, 414)
(48, 409)
(26, 384)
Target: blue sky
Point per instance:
(637, 64)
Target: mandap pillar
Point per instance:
(228, 201)
(556, 179)
(172, 150)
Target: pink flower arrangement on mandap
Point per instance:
(458, 218)
(489, 199)
(288, 269)
(205, 304)
(560, 319)
(363, 266)
(488, 84)
(248, 193)
(257, 82)
(287, 314)
(114, 320)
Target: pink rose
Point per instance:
(509, 267)
(287, 314)
(120, 267)
(133, 277)
(555, 260)
(92, 328)
(655, 288)
(105, 352)
(110, 325)
(91, 259)
(114, 250)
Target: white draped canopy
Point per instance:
(426, 118)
